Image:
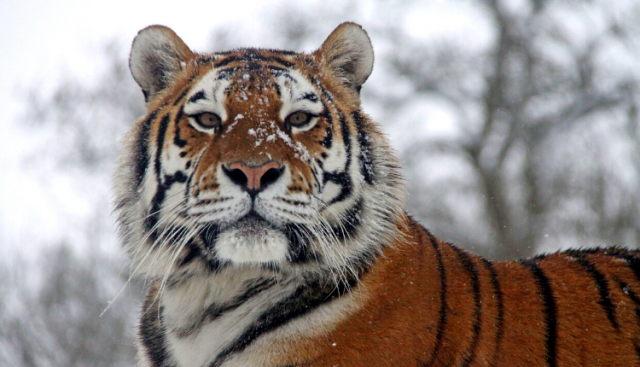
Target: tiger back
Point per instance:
(266, 211)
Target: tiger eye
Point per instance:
(298, 118)
(208, 120)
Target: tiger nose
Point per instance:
(253, 178)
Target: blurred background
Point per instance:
(517, 122)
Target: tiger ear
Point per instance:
(349, 54)
(156, 55)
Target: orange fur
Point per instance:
(398, 324)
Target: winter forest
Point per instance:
(520, 138)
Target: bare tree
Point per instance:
(60, 321)
(541, 90)
(86, 120)
(53, 312)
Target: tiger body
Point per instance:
(266, 211)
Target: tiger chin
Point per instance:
(266, 211)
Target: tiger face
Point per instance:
(254, 158)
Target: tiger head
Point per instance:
(254, 158)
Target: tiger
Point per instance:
(266, 212)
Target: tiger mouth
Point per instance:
(252, 224)
(249, 240)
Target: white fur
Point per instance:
(214, 102)
(183, 303)
(267, 245)
(317, 323)
(292, 101)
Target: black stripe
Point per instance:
(310, 96)
(152, 219)
(176, 137)
(629, 256)
(499, 305)
(169, 180)
(298, 235)
(316, 183)
(215, 265)
(198, 96)
(305, 299)
(228, 52)
(227, 61)
(282, 52)
(549, 309)
(194, 253)
(209, 235)
(442, 322)
(280, 61)
(158, 198)
(603, 289)
(342, 178)
(290, 78)
(214, 311)
(471, 270)
(142, 155)
(181, 96)
(152, 334)
(328, 138)
(366, 164)
(325, 92)
(187, 192)
(276, 86)
(278, 70)
(251, 57)
(349, 221)
(327, 141)
(346, 138)
(162, 131)
(298, 243)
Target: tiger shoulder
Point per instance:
(267, 213)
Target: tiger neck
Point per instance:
(216, 319)
(417, 290)
(239, 316)
(394, 305)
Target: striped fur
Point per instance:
(303, 254)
